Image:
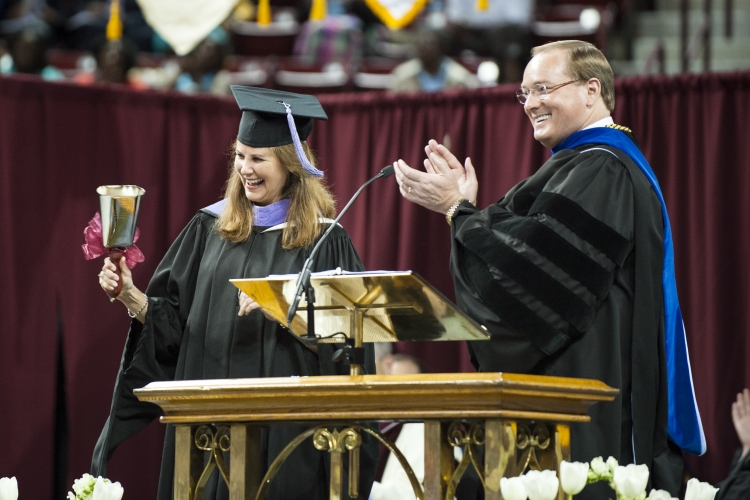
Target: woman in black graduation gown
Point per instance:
(192, 324)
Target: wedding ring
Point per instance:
(408, 190)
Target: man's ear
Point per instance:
(593, 91)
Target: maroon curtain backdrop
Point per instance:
(59, 142)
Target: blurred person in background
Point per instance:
(79, 24)
(737, 485)
(391, 482)
(431, 70)
(404, 364)
(203, 68)
(114, 61)
(28, 51)
(17, 15)
(390, 479)
(7, 13)
(5, 57)
(383, 357)
(10, 13)
(338, 37)
(501, 32)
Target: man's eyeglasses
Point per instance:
(539, 90)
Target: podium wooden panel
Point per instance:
(513, 414)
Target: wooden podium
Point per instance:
(522, 421)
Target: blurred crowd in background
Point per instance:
(449, 43)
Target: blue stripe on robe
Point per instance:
(684, 421)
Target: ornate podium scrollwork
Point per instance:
(461, 435)
(528, 441)
(216, 441)
(511, 449)
(337, 442)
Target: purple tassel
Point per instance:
(298, 145)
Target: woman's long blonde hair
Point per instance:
(309, 196)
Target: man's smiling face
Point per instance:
(564, 111)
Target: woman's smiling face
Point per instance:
(264, 177)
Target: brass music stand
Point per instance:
(366, 307)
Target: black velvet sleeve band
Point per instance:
(607, 240)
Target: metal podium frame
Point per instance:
(366, 307)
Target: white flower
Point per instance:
(612, 464)
(660, 495)
(598, 466)
(84, 487)
(512, 488)
(697, 490)
(8, 488)
(541, 485)
(573, 476)
(630, 481)
(105, 490)
(89, 488)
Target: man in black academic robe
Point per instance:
(565, 271)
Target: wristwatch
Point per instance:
(452, 210)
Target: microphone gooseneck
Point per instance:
(303, 279)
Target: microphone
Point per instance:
(384, 172)
(303, 279)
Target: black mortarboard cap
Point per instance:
(264, 121)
